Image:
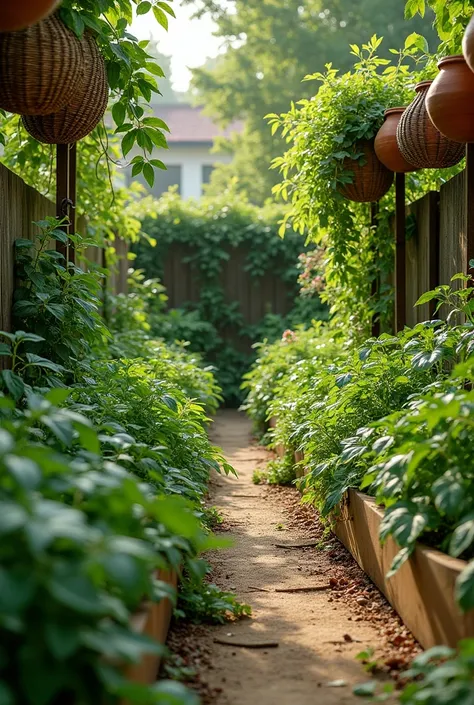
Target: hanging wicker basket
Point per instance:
(418, 139)
(372, 180)
(15, 15)
(85, 110)
(40, 68)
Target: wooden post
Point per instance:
(66, 165)
(469, 195)
(400, 253)
(374, 209)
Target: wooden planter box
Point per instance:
(422, 592)
(279, 449)
(153, 620)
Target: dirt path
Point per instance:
(318, 633)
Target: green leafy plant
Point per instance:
(440, 676)
(211, 231)
(57, 300)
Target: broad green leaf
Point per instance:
(14, 384)
(465, 588)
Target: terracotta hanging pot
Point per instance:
(450, 100)
(40, 68)
(372, 180)
(468, 44)
(18, 14)
(386, 146)
(420, 142)
(85, 110)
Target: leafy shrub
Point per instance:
(392, 417)
(210, 231)
(103, 467)
(440, 676)
(81, 541)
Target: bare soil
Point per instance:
(319, 632)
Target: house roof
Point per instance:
(189, 124)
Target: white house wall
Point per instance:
(191, 158)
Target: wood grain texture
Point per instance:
(20, 206)
(422, 592)
(422, 256)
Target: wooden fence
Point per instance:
(436, 247)
(254, 297)
(20, 207)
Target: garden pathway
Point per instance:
(318, 634)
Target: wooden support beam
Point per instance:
(374, 209)
(469, 195)
(400, 253)
(66, 166)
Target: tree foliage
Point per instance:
(270, 47)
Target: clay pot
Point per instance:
(86, 108)
(372, 180)
(420, 142)
(450, 100)
(386, 145)
(40, 68)
(468, 44)
(18, 14)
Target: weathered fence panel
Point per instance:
(422, 255)
(453, 237)
(254, 297)
(20, 206)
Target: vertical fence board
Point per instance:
(20, 206)
(453, 243)
(422, 267)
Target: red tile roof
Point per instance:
(189, 124)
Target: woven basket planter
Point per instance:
(420, 142)
(85, 110)
(386, 146)
(450, 100)
(20, 14)
(372, 180)
(40, 68)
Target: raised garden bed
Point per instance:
(422, 592)
(154, 620)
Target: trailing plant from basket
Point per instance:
(440, 676)
(322, 133)
(56, 300)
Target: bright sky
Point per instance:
(188, 42)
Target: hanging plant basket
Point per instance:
(40, 68)
(85, 110)
(386, 146)
(18, 14)
(372, 180)
(450, 100)
(420, 142)
(468, 44)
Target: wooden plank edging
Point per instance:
(422, 592)
(153, 620)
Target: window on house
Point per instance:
(206, 173)
(163, 180)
